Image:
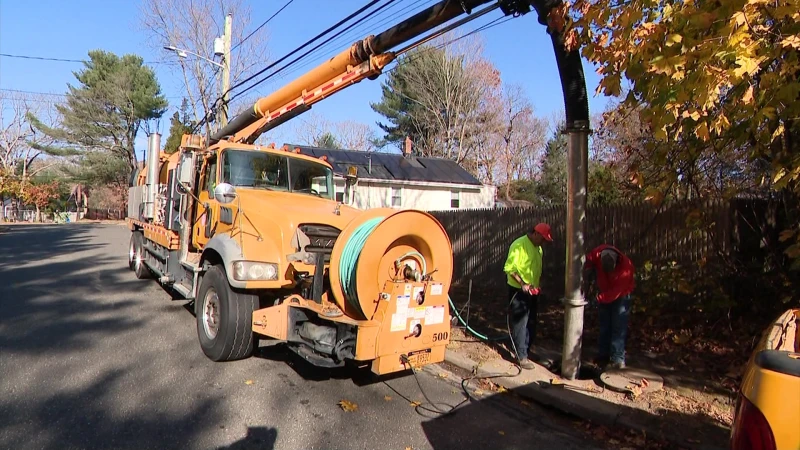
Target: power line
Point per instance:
(306, 44)
(498, 21)
(389, 2)
(261, 26)
(357, 34)
(288, 55)
(20, 91)
(44, 58)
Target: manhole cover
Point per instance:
(624, 380)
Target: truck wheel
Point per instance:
(224, 318)
(132, 251)
(139, 268)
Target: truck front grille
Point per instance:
(322, 239)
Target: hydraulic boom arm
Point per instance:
(365, 59)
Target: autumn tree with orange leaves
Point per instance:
(714, 91)
(709, 77)
(40, 195)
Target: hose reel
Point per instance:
(367, 253)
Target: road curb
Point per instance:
(459, 360)
(555, 397)
(575, 403)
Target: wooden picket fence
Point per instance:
(684, 232)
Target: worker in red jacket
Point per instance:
(613, 273)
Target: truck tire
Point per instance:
(132, 250)
(139, 267)
(224, 318)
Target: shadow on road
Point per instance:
(472, 421)
(51, 277)
(86, 418)
(68, 305)
(360, 375)
(22, 244)
(262, 438)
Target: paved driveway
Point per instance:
(91, 357)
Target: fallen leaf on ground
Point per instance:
(502, 433)
(681, 339)
(442, 375)
(348, 405)
(249, 382)
(501, 389)
(415, 404)
(388, 398)
(613, 441)
(645, 383)
(635, 391)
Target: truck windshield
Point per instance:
(276, 172)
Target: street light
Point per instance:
(182, 53)
(224, 44)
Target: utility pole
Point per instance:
(225, 51)
(577, 174)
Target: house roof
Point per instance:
(393, 166)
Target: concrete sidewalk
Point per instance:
(589, 401)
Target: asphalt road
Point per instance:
(91, 357)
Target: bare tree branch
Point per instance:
(193, 25)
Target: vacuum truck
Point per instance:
(254, 236)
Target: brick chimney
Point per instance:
(407, 147)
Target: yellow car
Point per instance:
(767, 414)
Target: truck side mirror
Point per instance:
(224, 193)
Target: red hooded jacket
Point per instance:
(619, 283)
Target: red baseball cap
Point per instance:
(544, 230)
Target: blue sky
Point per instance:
(519, 48)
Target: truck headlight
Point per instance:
(251, 271)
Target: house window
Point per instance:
(397, 196)
(455, 199)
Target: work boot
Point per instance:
(616, 365)
(527, 364)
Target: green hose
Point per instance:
(474, 333)
(348, 263)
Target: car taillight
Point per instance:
(751, 430)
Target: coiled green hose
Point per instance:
(348, 263)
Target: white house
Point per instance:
(391, 180)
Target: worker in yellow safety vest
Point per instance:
(523, 268)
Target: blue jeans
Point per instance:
(523, 316)
(614, 329)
